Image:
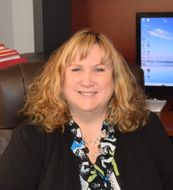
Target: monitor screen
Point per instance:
(155, 51)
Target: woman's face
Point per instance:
(88, 84)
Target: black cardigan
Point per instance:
(34, 160)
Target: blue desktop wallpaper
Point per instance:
(157, 50)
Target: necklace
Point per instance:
(93, 147)
(93, 155)
(93, 141)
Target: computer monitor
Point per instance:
(154, 33)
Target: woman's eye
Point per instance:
(100, 69)
(75, 69)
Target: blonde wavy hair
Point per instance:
(45, 105)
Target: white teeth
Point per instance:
(87, 93)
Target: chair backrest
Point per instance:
(13, 83)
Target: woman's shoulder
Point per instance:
(154, 136)
(151, 137)
(150, 133)
(153, 125)
(33, 135)
(27, 129)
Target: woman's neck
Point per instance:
(88, 118)
(89, 123)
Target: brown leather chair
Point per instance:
(13, 83)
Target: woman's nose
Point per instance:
(87, 78)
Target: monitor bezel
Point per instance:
(153, 91)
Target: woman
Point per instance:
(88, 126)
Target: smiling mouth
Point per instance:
(87, 93)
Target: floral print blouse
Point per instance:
(103, 174)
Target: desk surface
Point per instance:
(166, 116)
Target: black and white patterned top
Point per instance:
(103, 174)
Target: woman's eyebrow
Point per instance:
(74, 65)
(100, 64)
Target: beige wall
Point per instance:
(16, 24)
